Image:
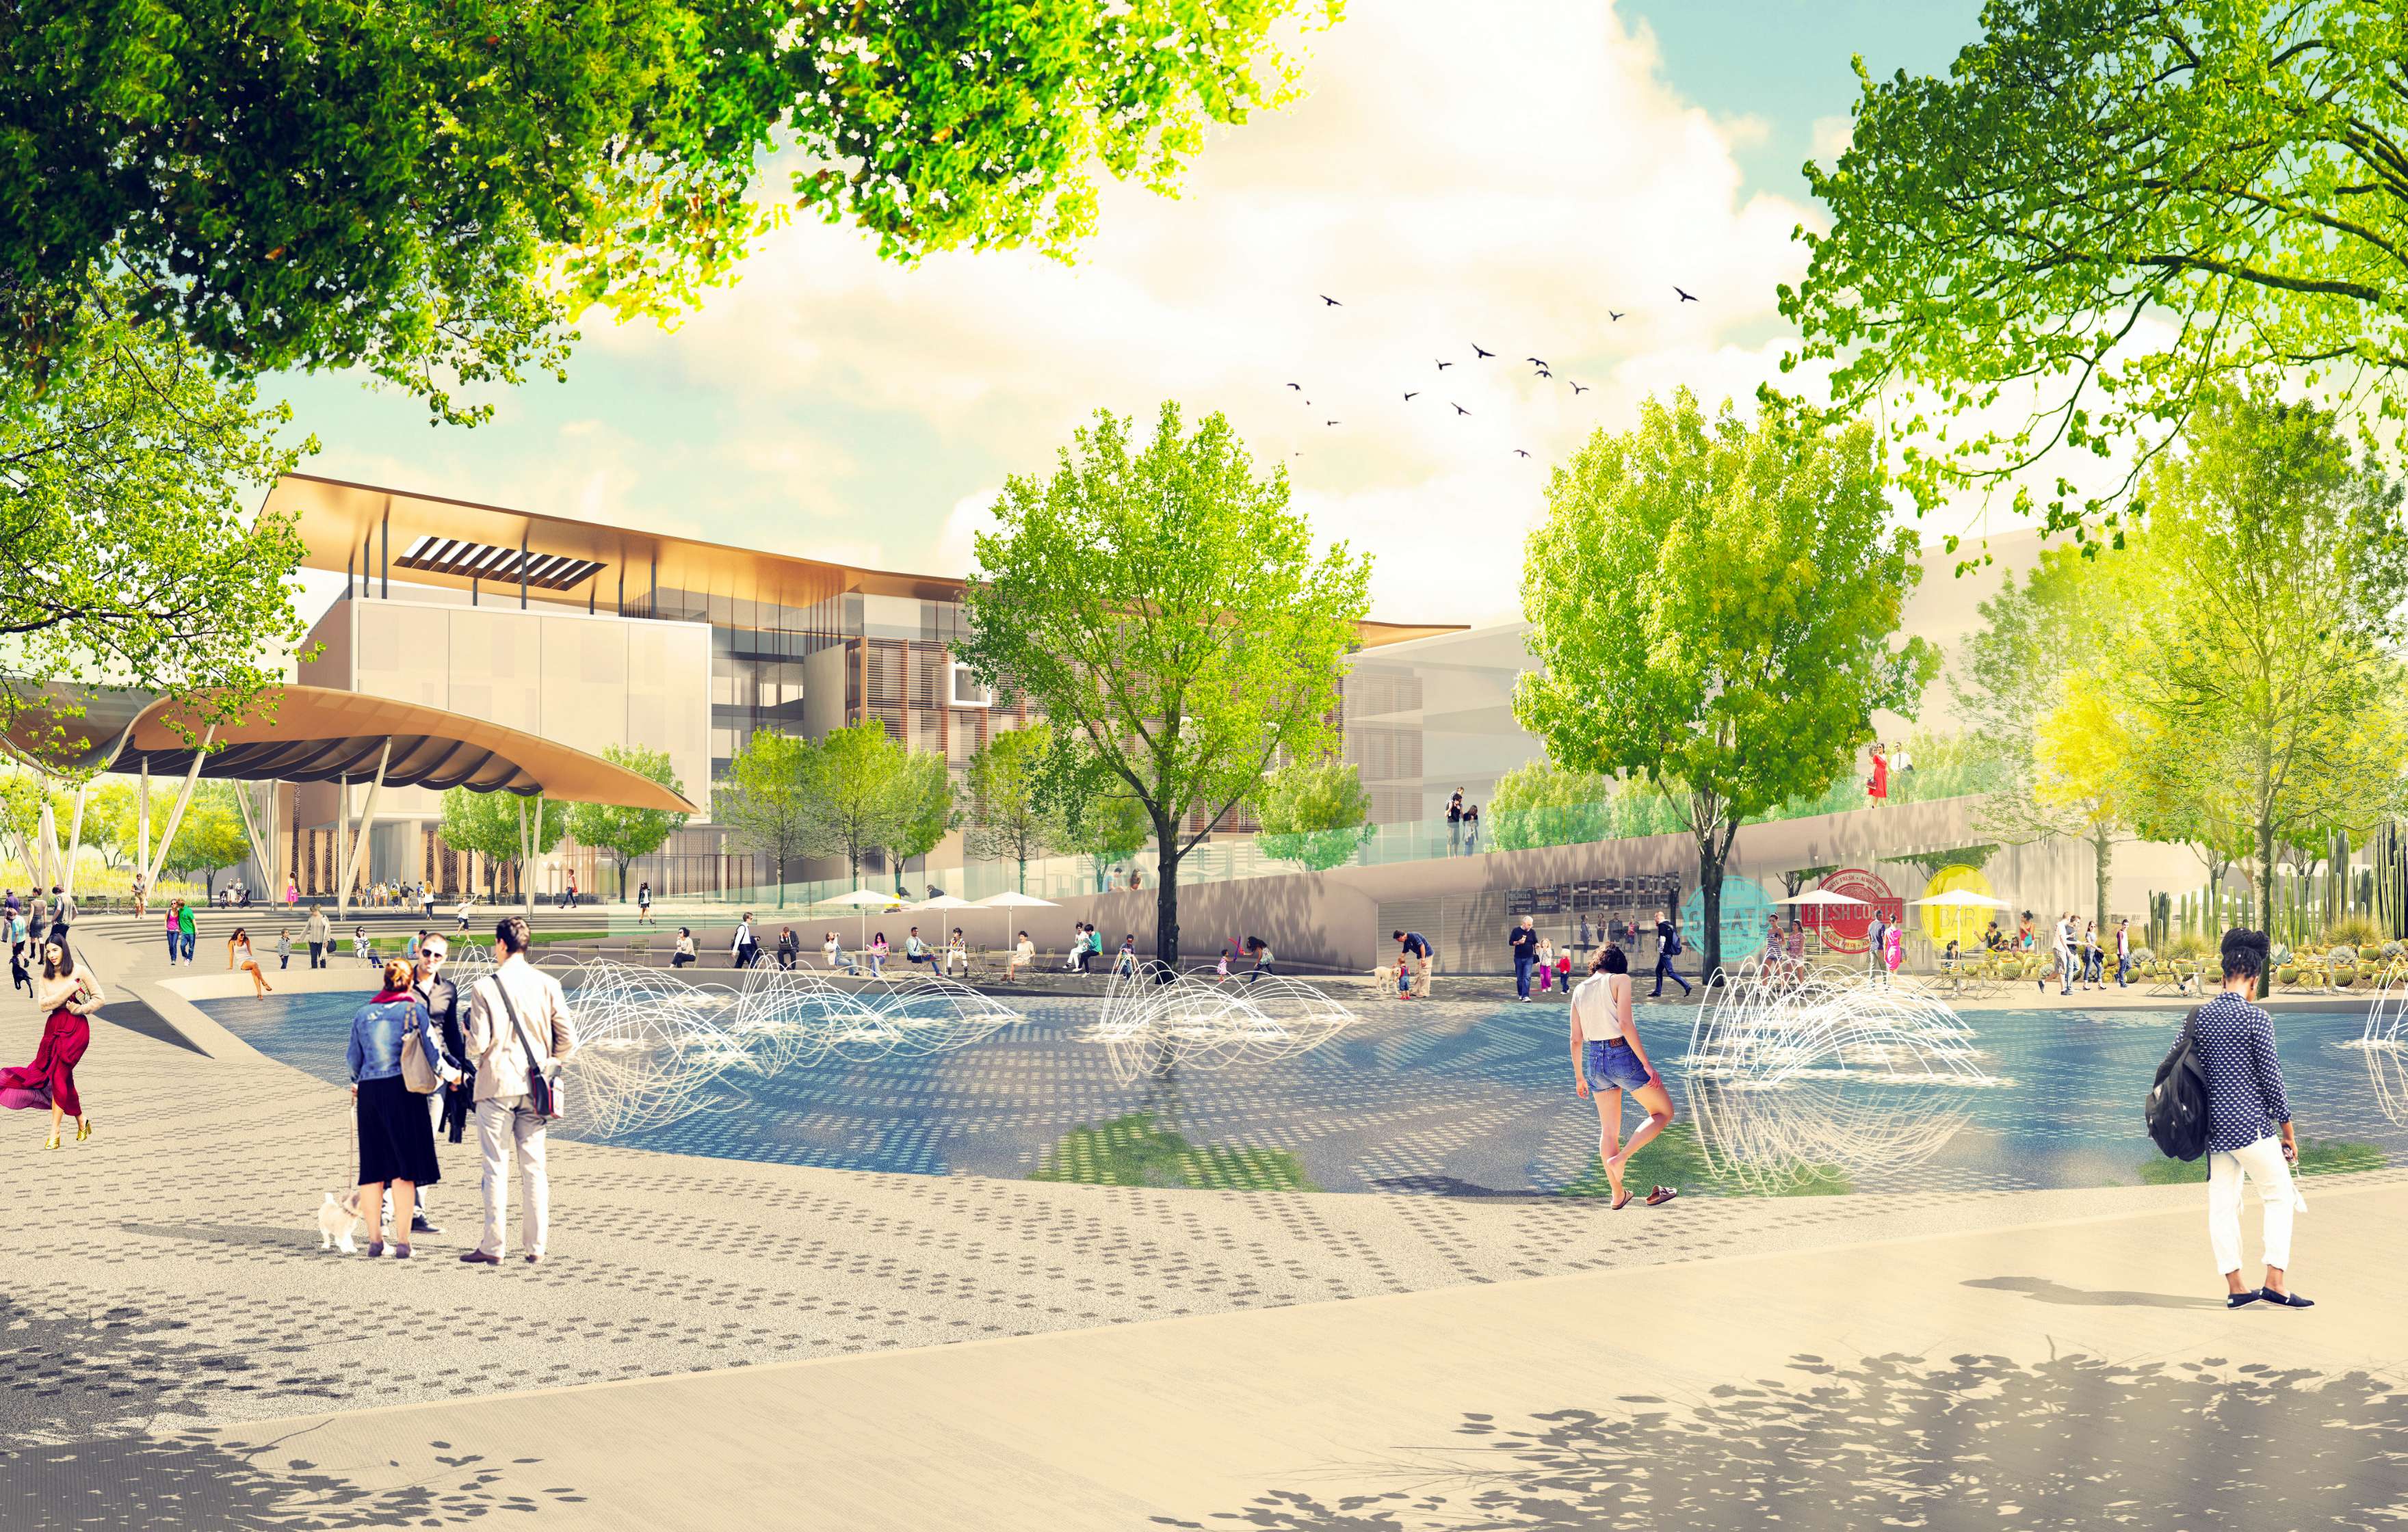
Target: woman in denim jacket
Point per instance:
(396, 1136)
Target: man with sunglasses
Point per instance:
(451, 1105)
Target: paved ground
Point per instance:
(163, 1281)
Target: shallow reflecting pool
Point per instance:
(1457, 1098)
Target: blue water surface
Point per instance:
(1464, 1099)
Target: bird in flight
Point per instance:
(1458, 408)
(1617, 318)
(1412, 393)
(1518, 452)
(1331, 302)
(1686, 296)
(1329, 423)
(1545, 373)
(1578, 388)
(1541, 362)
(1477, 351)
(1444, 366)
(1299, 387)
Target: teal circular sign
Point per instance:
(1746, 911)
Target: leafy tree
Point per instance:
(1164, 604)
(434, 190)
(626, 833)
(2232, 173)
(768, 799)
(1007, 824)
(488, 823)
(2085, 754)
(126, 550)
(1087, 810)
(1314, 812)
(850, 782)
(2290, 570)
(1538, 803)
(211, 836)
(1719, 617)
(921, 809)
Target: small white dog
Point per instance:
(336, 1220)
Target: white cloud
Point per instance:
(1511, 182)
(1833, 135)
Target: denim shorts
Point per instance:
(1612, 1069)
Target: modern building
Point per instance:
(602, 635)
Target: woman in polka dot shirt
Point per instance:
(2248, 1125)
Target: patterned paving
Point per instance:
(167, 1273)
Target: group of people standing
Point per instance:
(1462, 826)
(495, 1063)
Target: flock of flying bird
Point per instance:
(1480, 353)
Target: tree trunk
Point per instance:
(2104, 849)
(780, 861)
(1713, 850)
(1165, 894)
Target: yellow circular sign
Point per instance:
(1965, 924)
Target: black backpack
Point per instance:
(2176, 1110)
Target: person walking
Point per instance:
(141, 896)
(644, 903)
(2064, 953)
(239, 956)
(320, 932)
(467, 907)
(519, 1026)
(1893, 954)
(1260, 950)
(70, 997)
(1876, 933)
(186, 933)
(1668, 947)
(283, 949)
(1522, 942)
(175, 932)
(744, 949)
(451, 1107)
(1877, 785)
(1412, 959)
(2123, 951)
(22, 957)
(2249, 1133)
(1609, 1058)
(64, 912)
(396, 1136)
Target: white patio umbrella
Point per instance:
(942, 901)
(864, 901)
(1819, 897)
(1010, 899)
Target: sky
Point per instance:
(1511, 182)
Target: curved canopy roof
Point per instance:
(315, 734)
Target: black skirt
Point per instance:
(397, 1134)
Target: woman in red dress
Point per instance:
(49, 1082)
(1878, 788)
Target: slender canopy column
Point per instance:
(176, 815)
(75, 838)
(360, 837)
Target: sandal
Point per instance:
(1621, 1202)
(1660, 1196)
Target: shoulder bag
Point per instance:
(543, 1097)
(417, 1058)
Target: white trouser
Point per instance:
(2262, 1163)
(500, 1121)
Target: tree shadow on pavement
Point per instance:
(196, 1479)
(2073, 1442)
(66, 1377)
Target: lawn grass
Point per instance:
(2318, 1157)
(1674, 1158)
(1137, 1150)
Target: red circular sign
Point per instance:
(1845, 927)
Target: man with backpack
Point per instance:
(2226, 1055)
(1668, 947)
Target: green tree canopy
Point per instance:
(1162, 603)
(1315, 812)
(1088, 812)
(210, 836)
(2281, 570)
(434, 189)
(2233, 175)
(1719, 617)
(850, 783)
(1538, 803)
(488, 824)
(920, 810)
(626, 833)
(766, 800)
(126, 553)
(1007, 822)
